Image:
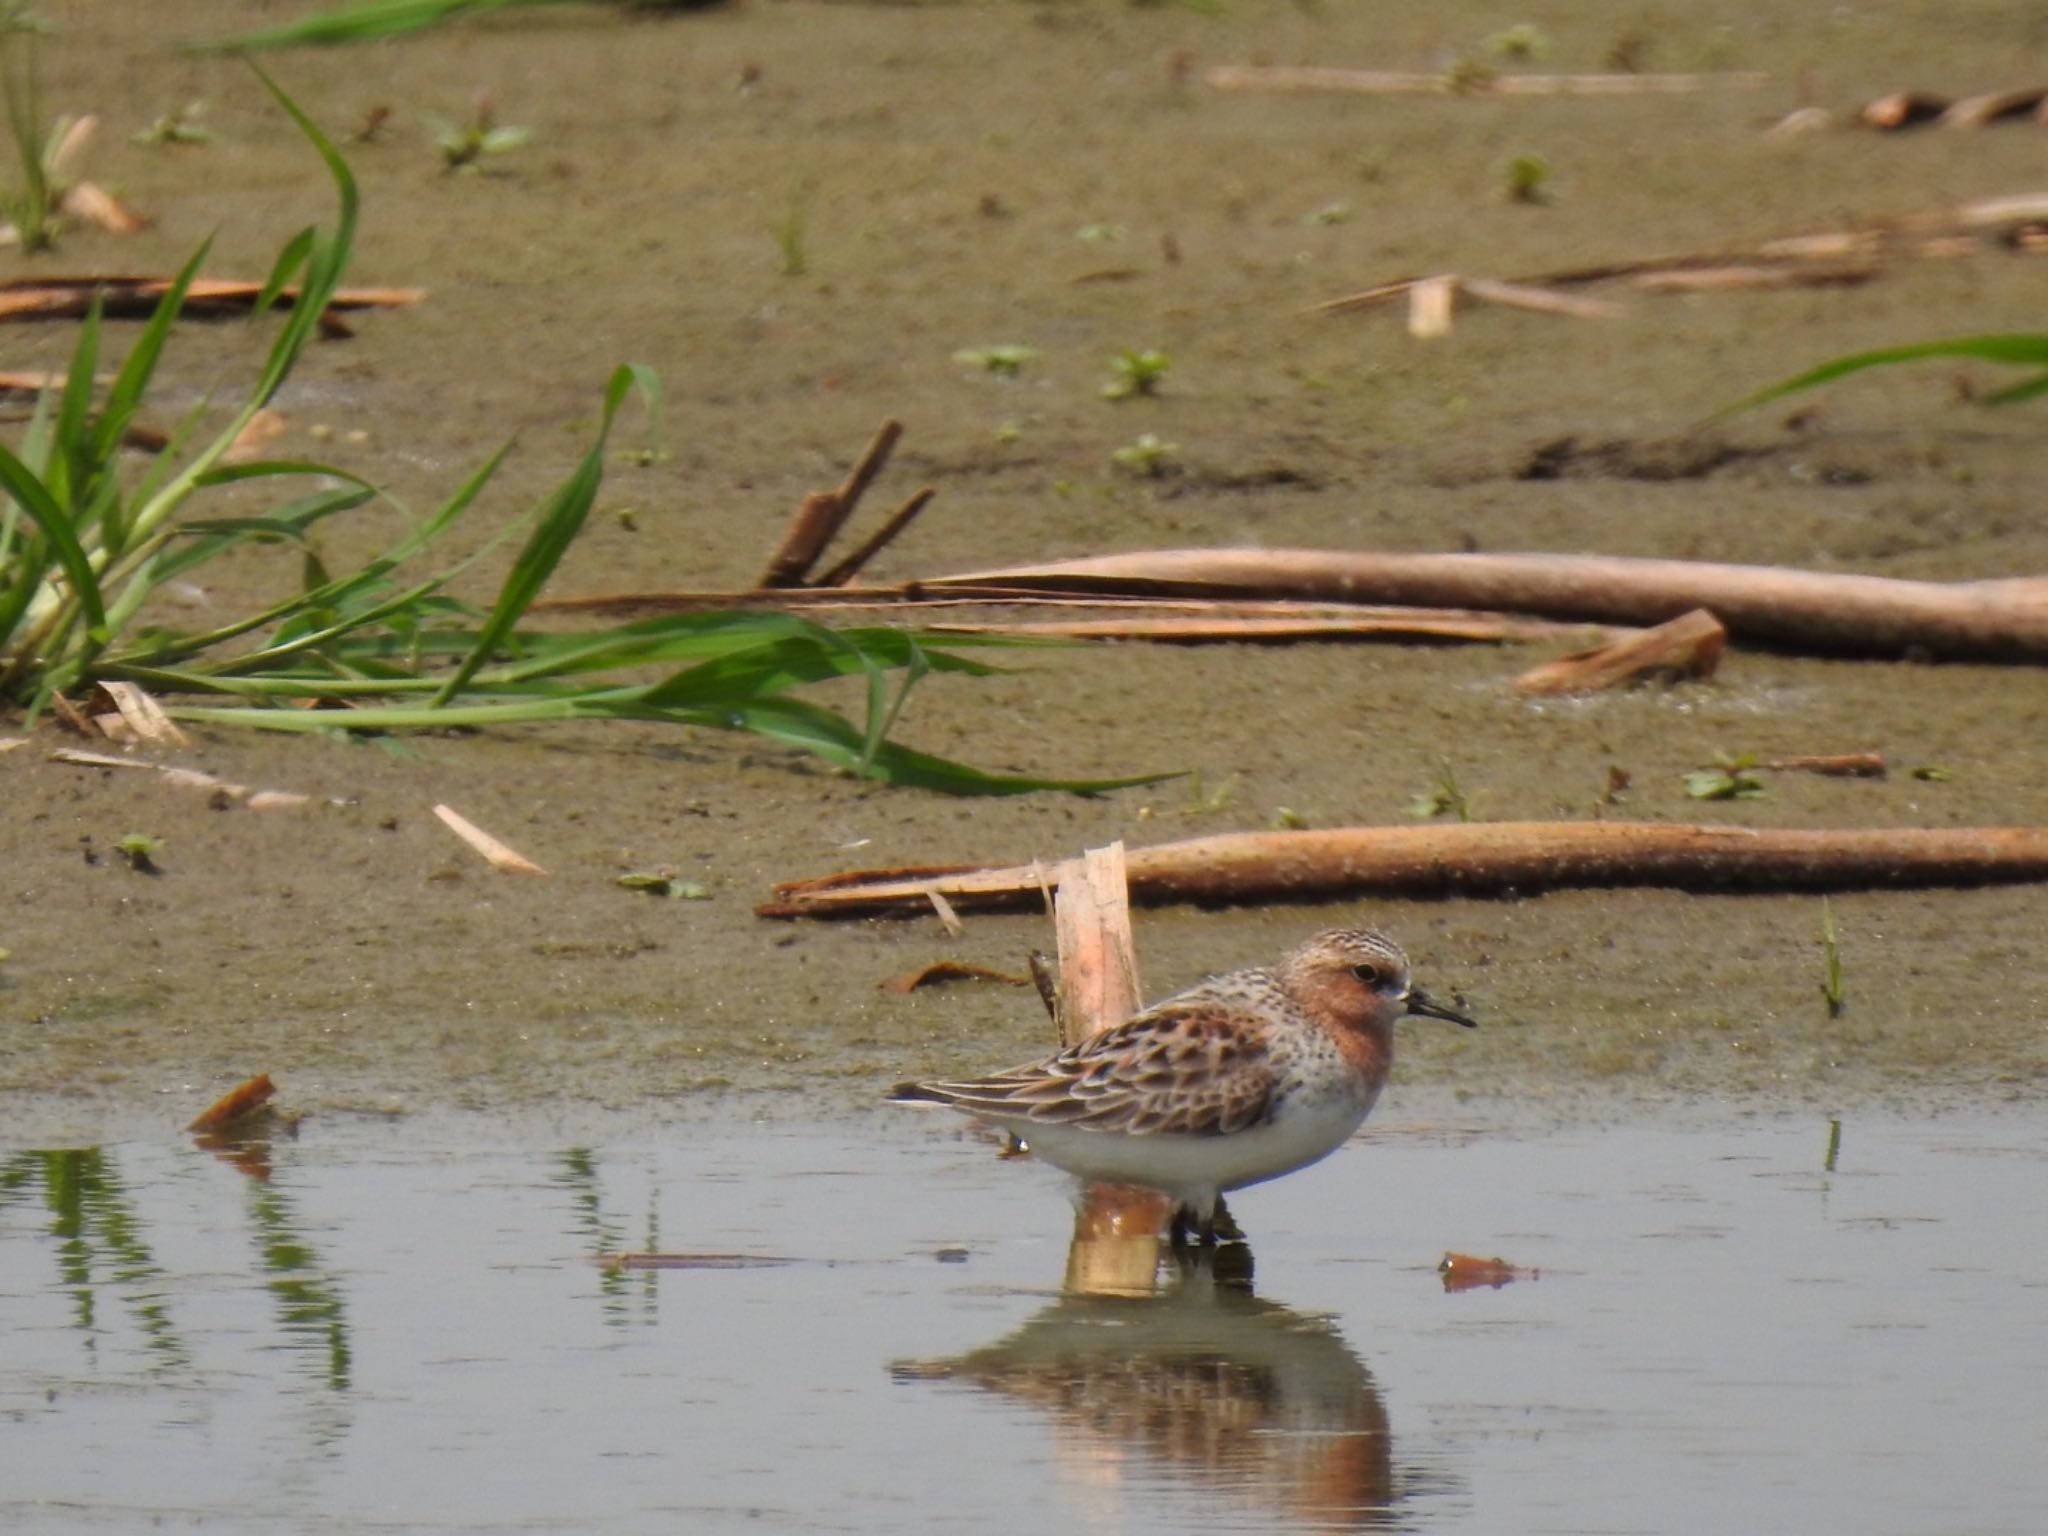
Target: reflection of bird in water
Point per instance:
(1256, 1400)
(1239, 1079)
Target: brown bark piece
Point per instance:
(1689, 647)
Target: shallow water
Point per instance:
(402, 1327)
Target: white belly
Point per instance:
(1195, 1169)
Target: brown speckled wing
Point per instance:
(1185, 1068)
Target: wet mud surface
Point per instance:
(943, 164)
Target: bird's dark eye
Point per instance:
(1369, 974)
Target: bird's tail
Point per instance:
(918, 1093)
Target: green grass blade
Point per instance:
(124, 397)
(355, 24)
(819, 731)
(70, 473)
(34, 499)
(2013, 394)
(2019, 349)
(561, 519)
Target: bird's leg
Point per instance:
(1223, 1225)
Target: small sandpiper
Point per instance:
(1237, 1080)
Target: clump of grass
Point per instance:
(1832, 987)
(1133, 372)
(1446, 798)
(32, 208)
(1149, 456)
(466, 146)
(84, 547)
(1730, 778)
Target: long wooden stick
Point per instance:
(2003, 620)
(1478, 858)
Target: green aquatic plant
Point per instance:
(792, 231)
(140, 850)
(85, 546)
(1524, 179)
(1730, 778)
(1832, 987)
(1005, 361)
(177, 128)
(466, 146)
(1133, 372)
(2014, 349)
(1150, 456)
(1525, 42)
(1446, 798)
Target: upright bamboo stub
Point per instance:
(1098, 959)
(1117, 1229)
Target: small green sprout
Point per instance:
(140, 850)
(178, 128)
(663, 883)
(1524, 179)
(1135, 373)
(464, 147)
(1005, 361)
(1731, 778)
(791, 233)
(1009, 432)
(1100, 234)
(1447, 798)
(1287, 819)
(1339, 212)
(1927, 773)
(1523, 42)
(1149, 456)
(1831, 985)
(1470, 77)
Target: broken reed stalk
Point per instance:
(1183, 621)
(1474, 858)
(840, 574)
(1098, 959)
(1117, 1228)
(1825, 259)
(1388, 82)
(822, 514)
(49, 298)
(1807, 611)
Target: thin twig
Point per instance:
(840, 574)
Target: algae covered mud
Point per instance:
(809, 217)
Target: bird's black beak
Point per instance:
(1419, 1001)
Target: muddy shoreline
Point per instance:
(365, 959)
